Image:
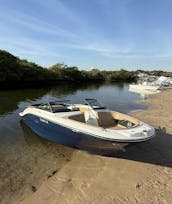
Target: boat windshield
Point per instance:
(60, 106)
(57, 106)
(94, 104)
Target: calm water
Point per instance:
(114, 96)
(21, 151)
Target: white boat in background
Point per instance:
(144, 93)
(151, 82)
(164, 81)
(85, 125)
(145, 86)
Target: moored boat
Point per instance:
(89, 125)
(145, 87)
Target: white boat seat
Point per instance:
(91, 118)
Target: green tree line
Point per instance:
(14, 69)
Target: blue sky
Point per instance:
(106, 34)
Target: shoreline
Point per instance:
(142, 174)
(148, 102)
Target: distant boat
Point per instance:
(85, 125)
(151, 82)
(144, 93)
(145, 86)
(164, 81)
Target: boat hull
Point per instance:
(69, 137)
(144, 87)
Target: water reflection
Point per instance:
(68, 89)
(9, 99)
(118, 85)
(114, 95)
(30, 137)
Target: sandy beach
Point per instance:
(142, 174)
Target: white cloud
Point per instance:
(20, 33)
(35, 24)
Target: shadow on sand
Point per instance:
(156, 151)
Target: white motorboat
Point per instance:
(144, 93)
(85, 125)
(145, 86)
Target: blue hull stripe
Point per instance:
(66, 136)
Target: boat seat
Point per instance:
(78, 117)
(105, 119)
(102, 119)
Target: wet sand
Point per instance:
(142, 174)
(23, 173)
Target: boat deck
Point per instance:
(78, 116)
